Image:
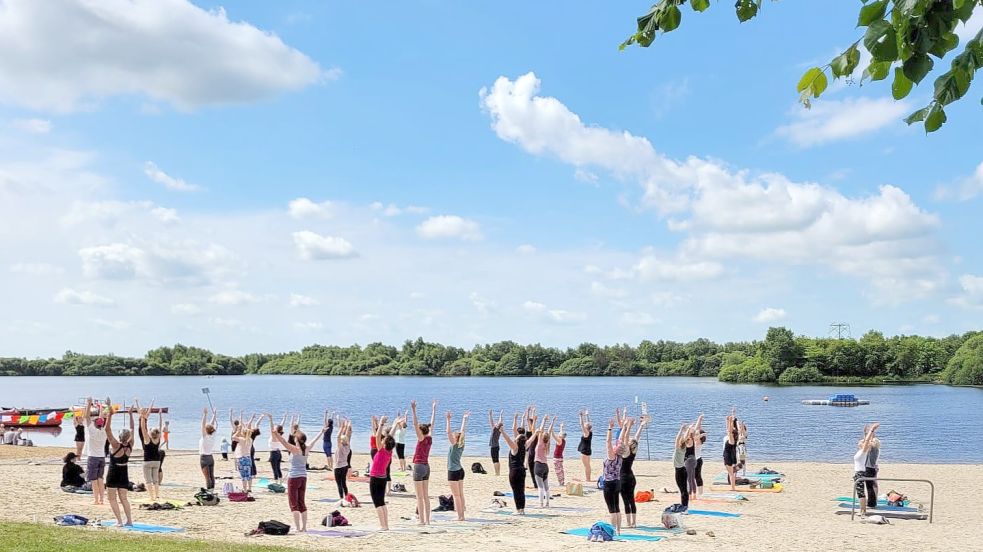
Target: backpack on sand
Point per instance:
(276, 488)
(335, 519)
(351, 502)
(478, 468)
(575, 489)
(204, 497)
(446, 504)
(273, 527)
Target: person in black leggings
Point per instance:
(517, 470)
(628, 481)
(531, 445)
(611, 474)
(344, 453)
(679, 464)
(276, 454)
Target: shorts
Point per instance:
(245, 465)
(327, 449)
(151, 472)
(456, 475)
(494, 454)
(401, 450)
(858, 484)
(730, 455)
(421, 472)
(377, 489)
(94, 468)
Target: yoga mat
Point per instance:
(727, 496)
(885, 508)
(716, 500)
(851, 499)
(585, 531)
(511, 495)
(527, 514)
(145, 527)
(892, 515)
(745, 489)
(713, 513)
(571, 509)
(478, 521)
(656, 529)
(337, 533)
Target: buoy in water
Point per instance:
(766, 398)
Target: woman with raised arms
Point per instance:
(421, 462)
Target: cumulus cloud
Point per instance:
(174, 184)
(233, 297)
(308, 326)
(769, 314)
(834, 120)
(298, 300)
(111, 212)
(186, 309)
(556, 316)
(68, 296)
(392, 210)
(971, 295)
(33, 126)
(174, 263)
(449, 227)
(303, 208)
(315, 247)
(965, 189)
(722, 213)
(481, 304)
(71, 53)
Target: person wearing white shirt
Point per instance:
(206, 447)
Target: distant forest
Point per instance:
(780, 357)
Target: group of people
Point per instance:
(103, 449)
(535, 443)
(13, 436)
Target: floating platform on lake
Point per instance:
(837, 400)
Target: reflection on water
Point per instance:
(926, 423)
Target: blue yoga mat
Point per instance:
(145, 527)
(657, 529)
(885, 507)
(510, 495)
(585, 531)
(527, 514)
(713, 513)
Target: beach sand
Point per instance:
(801, 518)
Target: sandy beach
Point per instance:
(800, 518)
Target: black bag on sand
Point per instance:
(446, 504)
(273, 527)
(204, 497)
(477, 468)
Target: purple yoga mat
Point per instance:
(337, 533)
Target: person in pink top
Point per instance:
(421, 463)
(378, 473)
(541, 470)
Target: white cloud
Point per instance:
(769, 314)
(835, 120)
(68, 296)
(481, 304)
(173, 263)
(303, 208)
(74, 52)
(392, 210)
(37, 269)
(154, 173)
(449, 227)
(638, 319)
(111, 212)
(115, 325)
(298, 300)
(557, 316)
(601, 290)
(972, 292)
(315, 247)
(728, 214)
(186, 309)
(526, 249)
(308, 326)
(233, 297)
(964, 190)
(667, 299)
(33, 126)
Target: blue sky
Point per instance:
(261, 176)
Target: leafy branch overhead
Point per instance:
(902, 37)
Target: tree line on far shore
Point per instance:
(780, 357)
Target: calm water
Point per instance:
(922, 423)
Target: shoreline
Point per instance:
(802, 517)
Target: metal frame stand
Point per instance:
(931, 503)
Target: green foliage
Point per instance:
(805, 374)
(780, 356)
(966, 366)
(904, 34)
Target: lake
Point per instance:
(920, 423)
